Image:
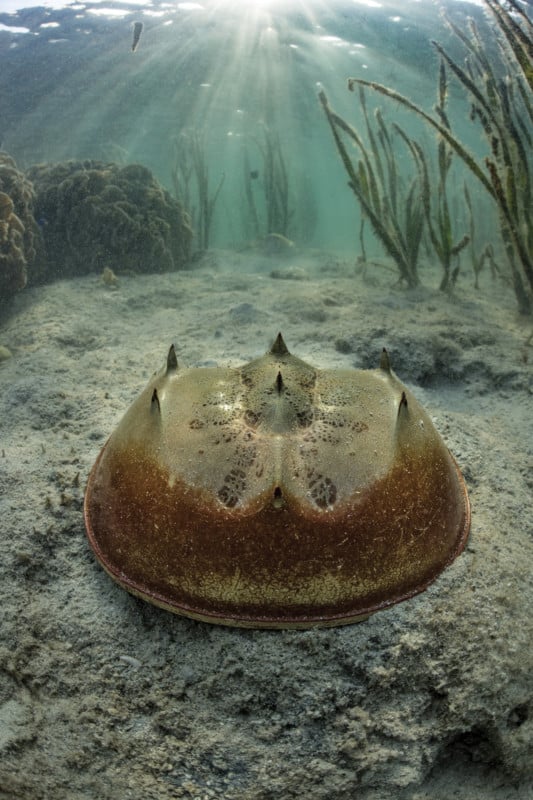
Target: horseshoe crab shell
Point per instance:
(276, 494)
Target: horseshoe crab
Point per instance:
(276, 495)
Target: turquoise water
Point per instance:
(237, 79)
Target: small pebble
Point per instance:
(289, 274)
(132, 662)
(109, 278)
(5, 353)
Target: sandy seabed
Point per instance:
(105, 696)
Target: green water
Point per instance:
(239, 80)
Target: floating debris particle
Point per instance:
(137, 30)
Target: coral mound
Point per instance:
(17, 227)
(95, 215)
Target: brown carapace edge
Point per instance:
(276, 495)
